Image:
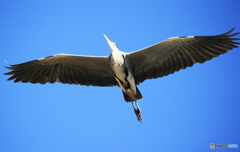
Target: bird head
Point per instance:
(112, 45)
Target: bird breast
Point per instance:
(119, 71)
(118, 65)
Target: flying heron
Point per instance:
(125, 70)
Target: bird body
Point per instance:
(125, 70)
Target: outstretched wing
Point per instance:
(71, 69)
(178, 53)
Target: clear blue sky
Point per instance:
(185, 111)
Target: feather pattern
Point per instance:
(177, 53)
(71, 69)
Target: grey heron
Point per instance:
(125, 70)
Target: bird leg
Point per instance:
(137, 111)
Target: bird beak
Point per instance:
(106, 38)
(111, 44)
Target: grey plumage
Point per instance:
(173, 54)
(71, 69)
(125, 70)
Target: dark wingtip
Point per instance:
(233, 34)
(8, 73)
(229, 31)
(9, 68)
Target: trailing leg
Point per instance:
(137, 112)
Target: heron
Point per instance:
(125, 70)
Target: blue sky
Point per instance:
(185, 111)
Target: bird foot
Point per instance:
(137, 111)
(138, 114)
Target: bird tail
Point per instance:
(138, 96)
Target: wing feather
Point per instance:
(177, 53)
(71, 69)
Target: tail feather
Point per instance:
(138, 96)
(126, 97)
